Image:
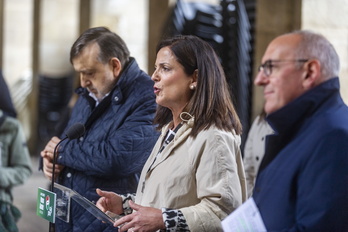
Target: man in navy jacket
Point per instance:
(302, 184)
(116, 104)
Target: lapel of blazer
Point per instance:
(181, 135)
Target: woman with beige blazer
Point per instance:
(194, 176)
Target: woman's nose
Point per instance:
(154, 76)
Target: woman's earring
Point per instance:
(192, 87)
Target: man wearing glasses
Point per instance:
(302, 183)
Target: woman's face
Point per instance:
(172, 84)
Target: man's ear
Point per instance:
(312, 76)
(116, 66)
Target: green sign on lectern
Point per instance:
(46, 204)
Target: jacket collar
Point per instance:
(289, 117)
(181, 135)
(186, 125)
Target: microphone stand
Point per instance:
(51, 225)
(74, 132)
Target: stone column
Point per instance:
(272, 19)
(158, 14)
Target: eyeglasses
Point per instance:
(268, 65)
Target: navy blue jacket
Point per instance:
(303, 180)
(113, 150)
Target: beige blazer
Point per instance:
(203, 177)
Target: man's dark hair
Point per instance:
(110, 44)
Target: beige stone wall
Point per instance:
(129, 19)
(272, 19)
(58, 28)
(330, 18)
(17, 39)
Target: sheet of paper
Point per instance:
(245, 218)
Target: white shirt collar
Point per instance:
(96, 99)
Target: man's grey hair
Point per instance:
(316, 46)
